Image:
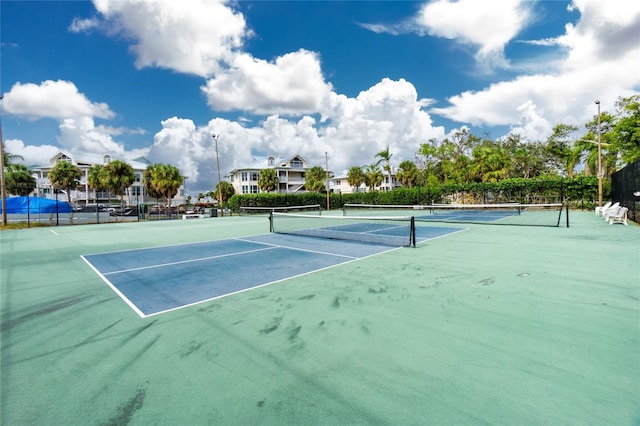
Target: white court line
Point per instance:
(200, 259)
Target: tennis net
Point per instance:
(393, 231)
(311, 208)
(485, 214)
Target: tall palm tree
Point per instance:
(66, 176)
(385, 156)
(118, 176)
(408, 173)
(163, 181)
(96, 179)
(314, 179)
(355, 177)
(372, 176)
(268, 180)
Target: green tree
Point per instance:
(355, 177)
(9, 158)
(18, 180)
(563, 157)
(625, 135)
(408, 173)
(162, 181)
(117, 177)
(491, 162)
(226, 191)
(372, 177)
(385, 156)
(65, 176)
(268, 180)
(315, 179)
(96, 179)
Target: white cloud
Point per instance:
(81, 134)
(532, 126)
(485, 26)
(51, 99)
(352, 132)
(292, 84)
(488, 26)
(193, 37)
(595, 67)
(31, 154)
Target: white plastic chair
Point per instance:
(619, 217)
(600, 209)
(611, 210)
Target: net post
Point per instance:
(412, 232)
(271, 221)
(567, 214)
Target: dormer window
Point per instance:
(106, 159)
(271, 161)
(296, 163)
(64, 159)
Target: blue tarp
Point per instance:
(24, 205)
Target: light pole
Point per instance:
(326, 169)
(215, 138)
(599, 159)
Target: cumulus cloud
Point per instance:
(51, 99)
(192, 39)
(352, 132)
(595, 66)
(31, 154)
(485, 27)
(291, 84)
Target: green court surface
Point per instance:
(496, 325)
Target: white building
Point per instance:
(290, 172)
(340, 184)
(83, 194)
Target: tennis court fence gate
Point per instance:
(625, 189)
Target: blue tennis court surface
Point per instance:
(161, 279)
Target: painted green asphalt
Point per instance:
(495, 325)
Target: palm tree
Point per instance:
(268, 180)
(163, 180)
(385, 156)
(314, 179)
(355, 177)
(96, 179)
(372, 176)
(118, 176)
(408, 173)
(226, 191)
(66, 176)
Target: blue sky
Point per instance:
(158, 78)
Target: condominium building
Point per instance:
(83, 194)
(290, 171)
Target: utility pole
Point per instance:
(215, 138)
(600, 174)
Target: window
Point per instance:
(245, 176)
(254, 189)
(271, 161)
(254, 176)
(138, 177)
(296, 163)
(106, 159)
